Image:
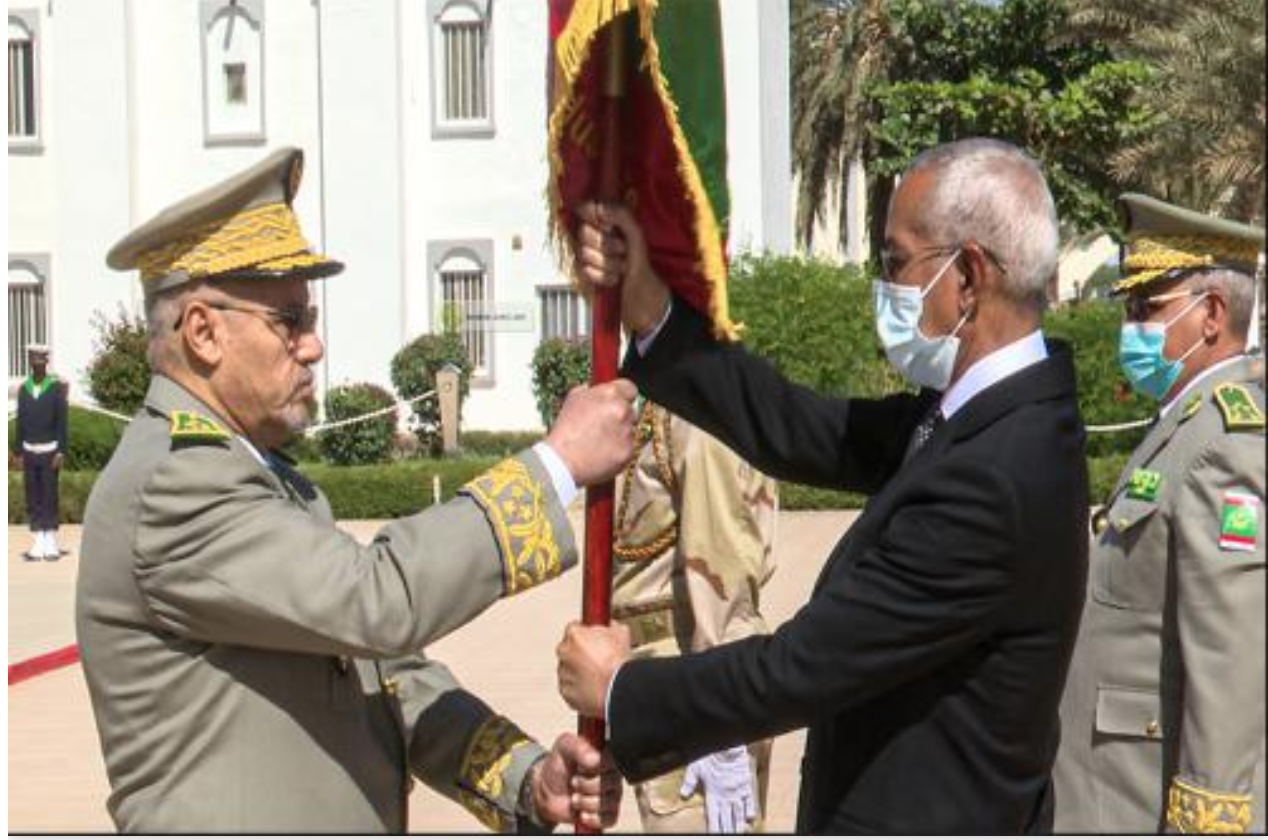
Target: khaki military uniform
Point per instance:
(1163, 713)
(254, 669)
(694, 532)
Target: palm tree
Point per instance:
(1207, 149)
(839, 47)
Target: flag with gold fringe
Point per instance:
(673, 143)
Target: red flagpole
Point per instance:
(605, 327)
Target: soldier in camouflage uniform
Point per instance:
(1163, 712)
(252, 668)
(694, 530)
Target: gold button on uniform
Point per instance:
(389, 687)
(1151, 728)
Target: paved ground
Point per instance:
(56, 777)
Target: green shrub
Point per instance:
(387, 491)
(303, 448)
(73, 490)
(497, 444)
(91, 438)
(118, 375)
(366, 442)
(559, 365)
(414, 370)
(1104, 396)
(813, 321)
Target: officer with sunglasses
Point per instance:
(252, 668)
(1163, 713)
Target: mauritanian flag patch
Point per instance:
(1239, 522)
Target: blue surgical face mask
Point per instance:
(925, 362)
(1140, 343)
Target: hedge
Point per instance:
(90, 438)
(385, 491)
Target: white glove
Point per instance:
(727, 784)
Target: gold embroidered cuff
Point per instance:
(481, 777)
(517, 506)
(1193, 810)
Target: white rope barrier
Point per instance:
(1109, 428)
(96, 409)
(324, 427)
(309, 432)
(1121, 427)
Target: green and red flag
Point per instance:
(672, 157)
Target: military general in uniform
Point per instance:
(694, 531)
(252, 668)
(1163, 713)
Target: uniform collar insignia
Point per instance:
(1238, 407)
(192, 426)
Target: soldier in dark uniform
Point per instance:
(40, 444)
(1163, 714)
(252, 668)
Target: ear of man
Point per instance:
(203, 335)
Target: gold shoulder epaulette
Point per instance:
(1238, 407)
(190, 425)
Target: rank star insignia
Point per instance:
(1239, 522)
(1144, 485)
(1191, 406)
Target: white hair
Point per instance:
(995, 194)
(1238, 288)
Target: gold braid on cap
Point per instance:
(265, 237)
(1150, 258)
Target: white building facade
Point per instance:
(423, 124)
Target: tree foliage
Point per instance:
(414, 370)
(933, 71)
(119, 375)
(558, 366)
(366, 442)
(1206, 145)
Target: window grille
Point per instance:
(564, 313)
(28, 323)
(463, 305)
(22, 102)
(465, 76)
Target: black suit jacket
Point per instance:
(929, 662)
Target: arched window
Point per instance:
(464, 299)
(233, 70)
(24, 90)
(462, 79)
(28, 309)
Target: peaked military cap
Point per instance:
(37, 349)
(243, 227)
(1163, 241)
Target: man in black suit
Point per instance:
(929, 662)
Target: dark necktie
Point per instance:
(924, 430)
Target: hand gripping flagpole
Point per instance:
(605, 326)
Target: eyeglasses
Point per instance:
(1140, 307)
(296, 321)
(892, 262)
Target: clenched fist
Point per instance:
(594, 432)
